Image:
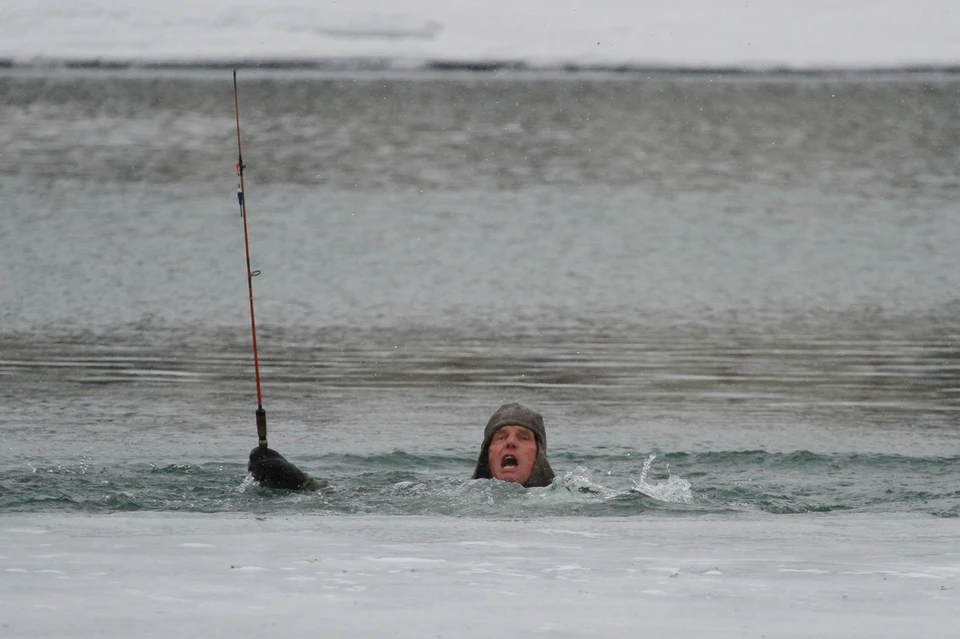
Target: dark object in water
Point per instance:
(271, 470)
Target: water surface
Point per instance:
(753, 279)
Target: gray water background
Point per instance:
(753, 277)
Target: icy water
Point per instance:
(728, 296)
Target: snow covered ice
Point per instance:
(164, 575)
(695, 33)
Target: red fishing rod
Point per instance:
(261, 413)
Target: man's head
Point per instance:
(515, 448)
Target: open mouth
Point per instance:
(509, 461)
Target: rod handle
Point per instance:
(262, 426)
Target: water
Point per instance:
(752, 279)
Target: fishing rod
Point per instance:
(261, 413)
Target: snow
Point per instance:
(243, 576)
(697, 33)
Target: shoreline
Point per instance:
(483, 67)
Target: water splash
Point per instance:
(674, 490)
(247, 482)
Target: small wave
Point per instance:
(579, 480)
(395, 459)
(948, 513)
(172, 469)
(674, 490)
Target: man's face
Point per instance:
(512, 454)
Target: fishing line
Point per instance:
(261, 413)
